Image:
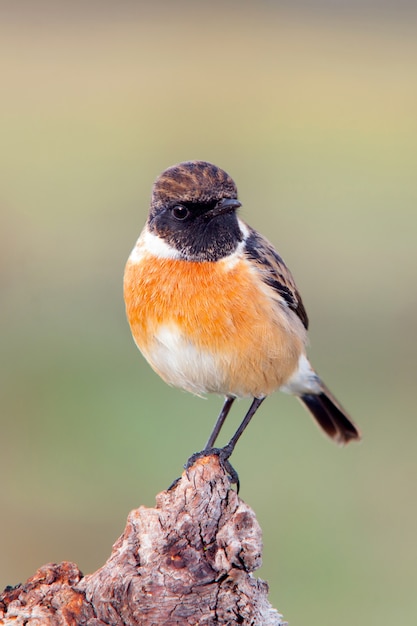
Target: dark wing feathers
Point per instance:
(275, 273)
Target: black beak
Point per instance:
(225, 205)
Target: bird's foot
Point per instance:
(223, 454)
(174, 483)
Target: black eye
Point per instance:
(180, 212)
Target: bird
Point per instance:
(213, 308)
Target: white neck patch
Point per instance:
(232, 259)
(148, 243)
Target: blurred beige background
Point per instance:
(313, 111)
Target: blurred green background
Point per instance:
(313, 111)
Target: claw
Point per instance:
(174, 483)
(223, 454)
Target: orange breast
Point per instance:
(219, 309)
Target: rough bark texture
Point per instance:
(187, 561)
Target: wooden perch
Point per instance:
(187, 561)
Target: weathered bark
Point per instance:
(187, 561)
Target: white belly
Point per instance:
(181, 364)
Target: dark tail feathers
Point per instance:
(331, 416)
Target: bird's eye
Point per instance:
(180, 212)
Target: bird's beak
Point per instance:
(225, 205)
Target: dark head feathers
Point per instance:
(194, 182)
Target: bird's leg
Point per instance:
(228, 449)
(220, 421)
(225, 453)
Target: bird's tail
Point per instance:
(329, 414)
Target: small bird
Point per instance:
(214, 309)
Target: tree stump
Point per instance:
(187, 561)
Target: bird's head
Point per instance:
(193, 209)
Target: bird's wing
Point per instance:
(274, 272)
